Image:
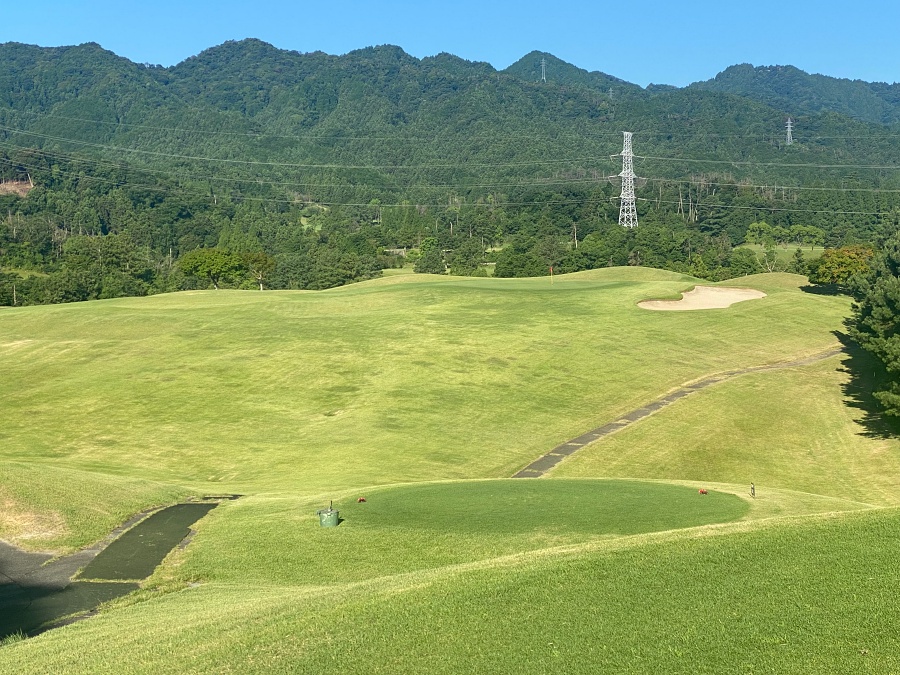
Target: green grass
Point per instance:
(785, 254)
(414, 527)
(811, 596)
(398, 271)
(794, 429)
(60, 508)
(510, 507)
(398, 380)
(413, 391)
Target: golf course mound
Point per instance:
(424, 526)
(704, 297)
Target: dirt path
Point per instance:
(543, 464)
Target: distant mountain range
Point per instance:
(792, 90)
(378, 122)
(325, 162)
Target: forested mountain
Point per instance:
(799, 93)
(559, 72)
(308, 170)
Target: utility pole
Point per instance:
(627, 210)
(790, 137)
(543, 69)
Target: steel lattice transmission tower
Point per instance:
(790, 128)
(627, 210)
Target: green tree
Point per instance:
(798, 264)
(875, 321)
(9, 294)
(431, 262)
(807, 234)
(698, 267)
(260, 266)
(211, 263)
(466, 259)
(781, 235)
(838, 265)
(760, 233)
(770, 257)
(743, 261)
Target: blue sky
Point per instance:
(651, 41)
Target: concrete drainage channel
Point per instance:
(38, 593)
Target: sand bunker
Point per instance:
(704, 297)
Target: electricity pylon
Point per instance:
(790, 136)
(627, 210)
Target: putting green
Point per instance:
(400, 529)
(520, 506)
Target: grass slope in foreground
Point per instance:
(397, 380)
(813, 596)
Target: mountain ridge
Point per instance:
(325, 162)
(784, 87)
(801, 93)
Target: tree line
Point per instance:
(86, 231)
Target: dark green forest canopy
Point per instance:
(801, 93)
(323, 163)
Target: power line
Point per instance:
(547, 182)
(577, 201)
(773, 186)
(767, 208)
(184, 191)
(471, 186)
(256, 135)
(296, 165)
(882, 167)
(256, 181)
(538, 182)
(595, 160)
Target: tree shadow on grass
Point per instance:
(824, 289)
(30, 608)
(867, 375)
(37, 592)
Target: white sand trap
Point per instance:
(704, 297)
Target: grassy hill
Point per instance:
(395, 380)
(419, 393)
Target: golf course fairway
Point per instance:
(422, 395)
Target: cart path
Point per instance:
(543, 464)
